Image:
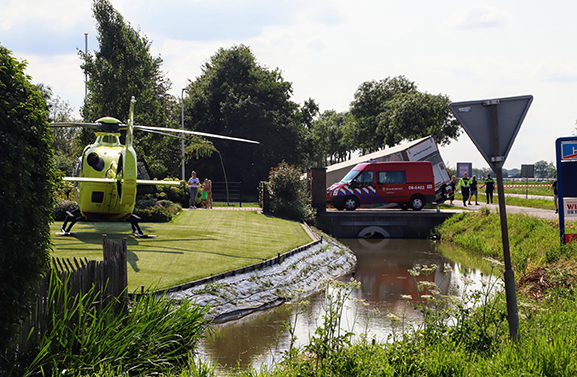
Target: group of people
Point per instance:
(468, 187)
(205, 193)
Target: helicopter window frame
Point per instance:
(97, 197)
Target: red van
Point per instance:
(408, 183)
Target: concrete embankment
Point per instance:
(293, 274)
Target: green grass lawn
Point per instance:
(194, 245)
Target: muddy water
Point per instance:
(382, 269)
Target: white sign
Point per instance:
(570, 207)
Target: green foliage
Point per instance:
(176, 194)
(391, 110)
(532, 240)
(25, 190)
(236, 96)
(60, 209)
(329, 338)
(288, 193)
(156, 211)
(122, 68)
(82, 338)
(330, 138)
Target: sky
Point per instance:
(328, 48)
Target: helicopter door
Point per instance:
(111, 199)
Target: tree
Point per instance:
(64, 139)
(329, 138)
(392, 110)
(236, 96)
(25, 191)
(552, 170)
(541, 169)
(122, 68)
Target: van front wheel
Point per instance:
(417, 203)
(351, 203)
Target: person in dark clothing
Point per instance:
(453, 185)
(464, 185)
(490, 184)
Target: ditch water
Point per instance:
(382, 269)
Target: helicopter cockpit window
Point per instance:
(109, 139)
(95, 161)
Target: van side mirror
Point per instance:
(354, 183)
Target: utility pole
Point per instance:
(85, 73)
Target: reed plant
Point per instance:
(84, 336)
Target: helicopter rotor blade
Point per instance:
(175, 130)
(112, 127)
(75, 124)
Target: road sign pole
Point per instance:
(493, 125)
(510, 294)
(509, 275)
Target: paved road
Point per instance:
(524, 196)
(537, 212)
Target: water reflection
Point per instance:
(383, 271)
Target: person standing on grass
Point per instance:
(207, 187)
(555, 196)
(464, 185)
(474, 190)
(193, 183)
(490, 184)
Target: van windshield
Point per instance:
(350, 176)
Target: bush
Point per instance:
(157, 211)
(176, 194)
(60, 209)
(26, 200)
(288, 193)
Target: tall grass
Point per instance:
(82, 337)
(533, 241)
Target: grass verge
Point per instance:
(193, 245)
(533, 241)
(511, 201)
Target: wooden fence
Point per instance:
(107, 281)
(228, 192)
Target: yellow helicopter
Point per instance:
(106, 172)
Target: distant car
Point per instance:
(407, 183)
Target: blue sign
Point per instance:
(568, 150)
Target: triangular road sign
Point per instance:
(492, 124)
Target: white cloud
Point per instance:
(481, 16)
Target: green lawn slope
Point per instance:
(194, 245)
